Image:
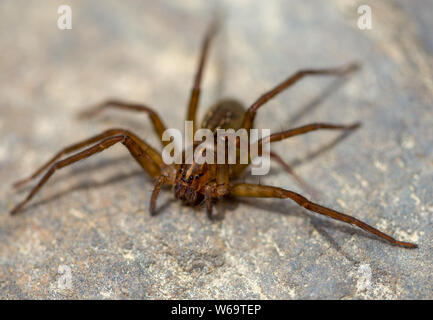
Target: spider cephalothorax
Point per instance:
(194, 183)
(190, 182)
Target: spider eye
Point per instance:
(197, 176)
(190, 179)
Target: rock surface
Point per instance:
(92, 218)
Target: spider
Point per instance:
(204, 183)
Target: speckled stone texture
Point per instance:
(93, 217)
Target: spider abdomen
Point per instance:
(226, 114)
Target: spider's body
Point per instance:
(195, 183)
(227, 114)
(192, 179)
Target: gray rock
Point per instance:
(93, 217)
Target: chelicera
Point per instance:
(195, 183)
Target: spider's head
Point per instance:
(190, 179)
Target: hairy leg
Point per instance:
(82, 144)
(219, 189)
(251, 112)
(258, 191)
(195, 92)
(239, 168)
(137, 148)
(160, 181)
(68, 150)
(305, 129)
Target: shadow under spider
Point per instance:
(318, 223)
(314, 103)
(84, 186)
(312, 155)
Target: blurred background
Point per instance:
(93, 217)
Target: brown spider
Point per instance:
(195, 183)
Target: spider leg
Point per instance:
(79, 145)
(259, 191)
(219, 189)
(251, 112)
(195, 92)
(208, 195)
(143, 153)
(67, 150)
(307, 128)
(160, 181)
(239, 168)
(158, 125)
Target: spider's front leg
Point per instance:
(259, 191)
(146, 156)
(167, 177)
(218, 189)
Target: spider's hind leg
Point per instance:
(67, 150)
(259, 191)
(250, 114)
